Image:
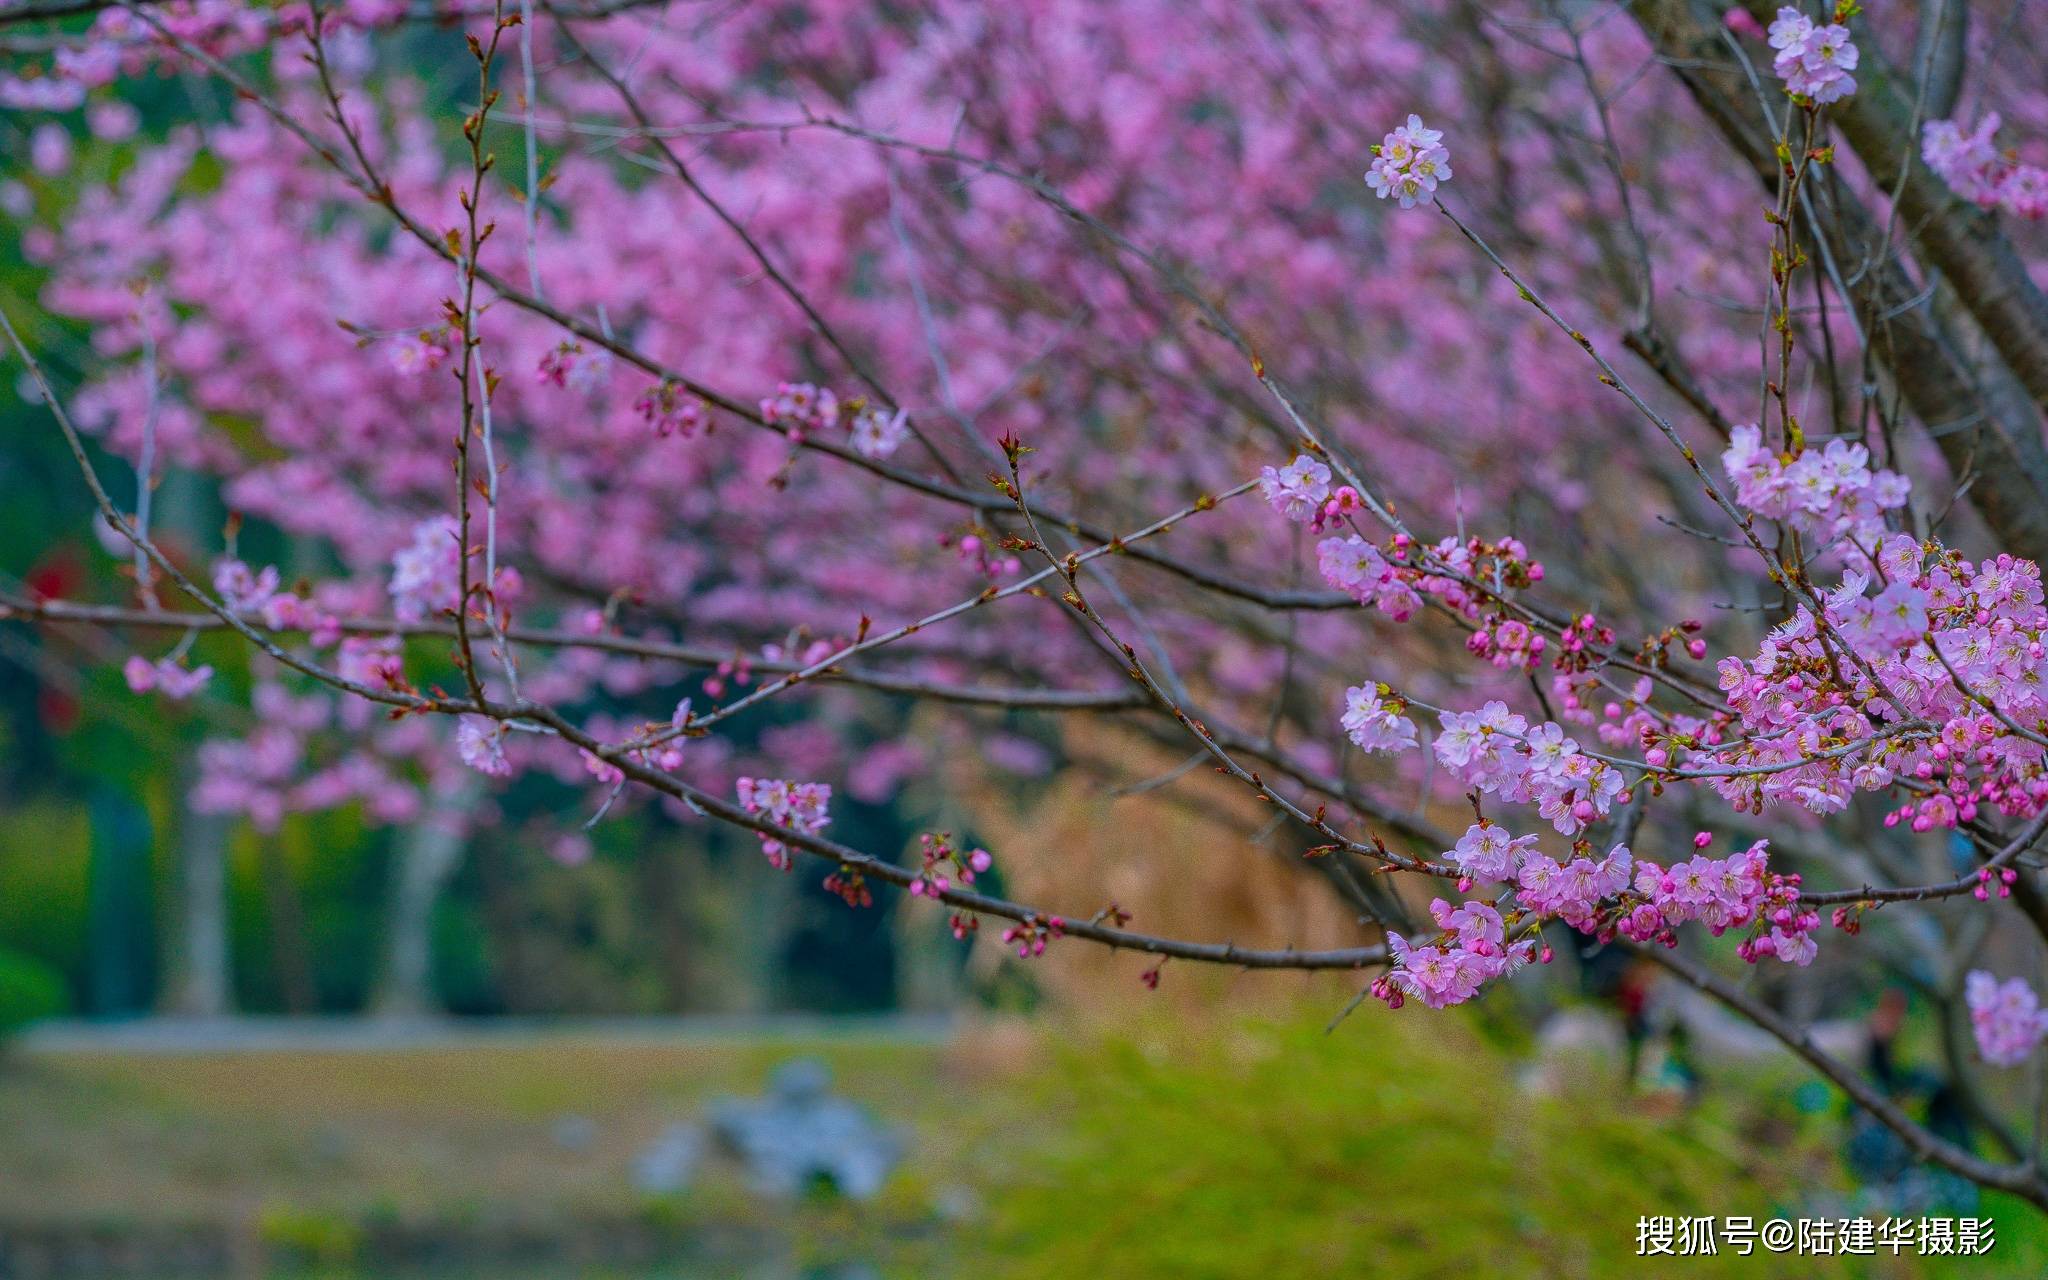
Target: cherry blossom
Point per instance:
(1410, 163)
(1813, 60)
(1373, 724)
(2006, 1017)
(1975, 169)
(480, 743)
(877, 434)
(1108, 282)
(1298, 489)
(798, 806)
(172, 679)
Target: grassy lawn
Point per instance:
(433, 1131)
(1398, 1145)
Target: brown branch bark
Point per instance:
(2002, 442)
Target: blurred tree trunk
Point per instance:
(667, 876)
(764, 901)
(198, 951)
(198, 977)
(505, 918)
(118, 906)
(428, 854)
(1983, 306)
(287, 929)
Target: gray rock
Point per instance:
(667, 1164)
(573, 1132)
(800, 1137)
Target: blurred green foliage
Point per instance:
(29, 990)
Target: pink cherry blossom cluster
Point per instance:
(988, 558)
(167, 676)
(799, 806)
(209, 245)
(121, 44)
(1409, 164)
(1640, 899)
(1725, 893)
(1358, 568)
(801, 408)
(670, 411)
(252, 259)
(1580, 646)
(241, 588)
(1488, 854)
(1573, 890)
(1975, 169)
(1579, 680)
(277, 770)
(287, 611)
(1508, 643)
(2003, 880)
(667, 755)
(570, 364)
(426, 573)
(250, 776)
(2006, 1017)
(420, 352)
(1656, 649)
(257, 592)
(944, 864)
(41, 93)
(1472, 951)
(1618, 894)
(1029, 935)
(480, 741)
(1297, 490)
(1826, 493)
(1467, 573)
(374, 661)
(1373, 719)
(1813, 60)
(607, 772)
(1578, 692)
(1397, 579)
(739, 670)
(1938, 667)
(877, 432)
(1496, 751)
(1339, 508)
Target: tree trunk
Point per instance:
(198, 964)
(118, 906)
(667, 877)
(287, 929)
(1990, 434)
(428, 856)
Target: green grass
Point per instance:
(1397, 1146)
(1400, 1145)
(89, 1138)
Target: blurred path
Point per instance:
(288, 1035)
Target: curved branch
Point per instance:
(57, 611)
(1938, 48)
(2023, 1180)
(1225, 953)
